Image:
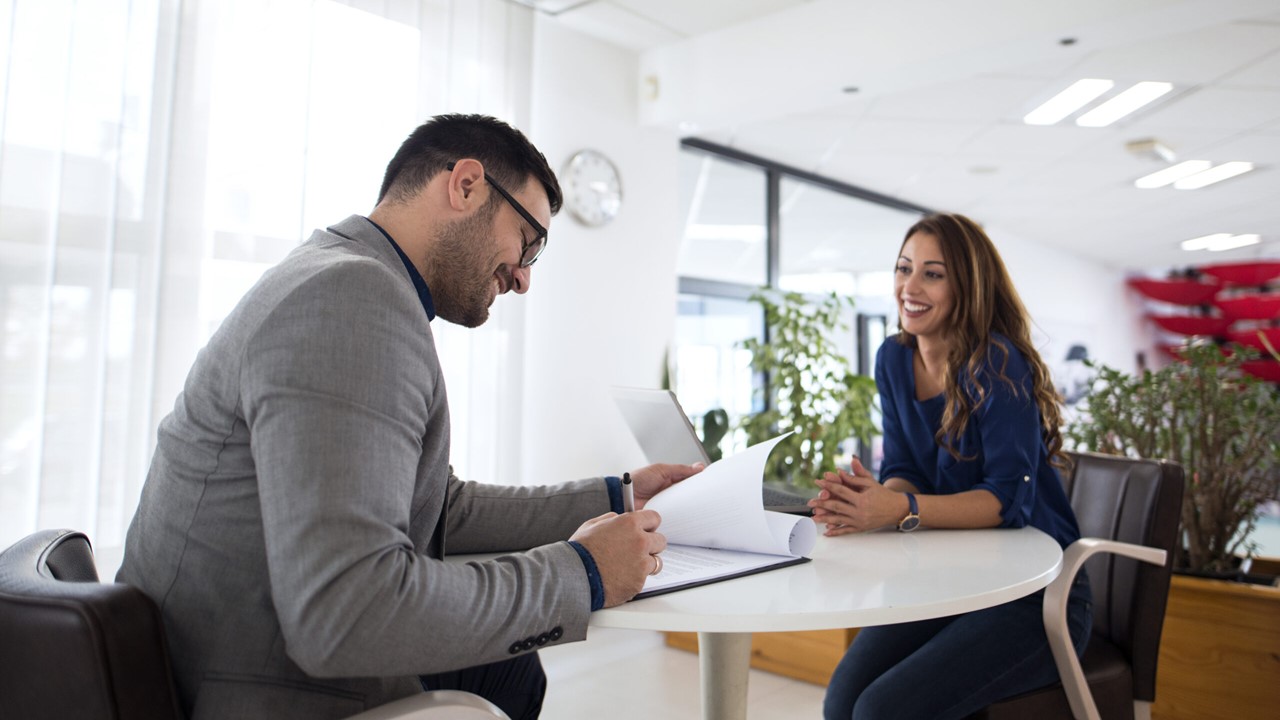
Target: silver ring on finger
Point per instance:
(657, 565)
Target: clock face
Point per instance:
(592, 188)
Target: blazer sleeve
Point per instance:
(337, 389)
(498, 518)
(1008, 424)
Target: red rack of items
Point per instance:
(1268, 370)
(1254, 274)
(1177, 292)
(1250, 338)
(1192, 324)
(1250, 307)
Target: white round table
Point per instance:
(877, 578)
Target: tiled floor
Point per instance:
(621, 674)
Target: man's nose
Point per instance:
(521, 277)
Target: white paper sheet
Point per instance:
(716, 525)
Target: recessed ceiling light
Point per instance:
(1081, 93)
(1123, 104)
(1218, 242)
(1171, 174)
(1213, 175)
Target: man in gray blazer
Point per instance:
(295, 517)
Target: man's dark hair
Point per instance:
(507, 155)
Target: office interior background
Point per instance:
(156, 156)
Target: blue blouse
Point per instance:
(1003, 438)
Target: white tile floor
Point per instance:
(621, 674)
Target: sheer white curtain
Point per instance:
(156, 156)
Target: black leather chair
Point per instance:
(1128, 512)
(71, 647)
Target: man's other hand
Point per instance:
(623, 547)
(651, 480)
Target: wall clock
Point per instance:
(592, 188)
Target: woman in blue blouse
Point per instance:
(971, 440)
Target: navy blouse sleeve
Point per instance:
(898, 460)
(1008, 424)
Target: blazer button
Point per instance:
(515, 647)
(543, 638)
(556, 633)
(528, 644)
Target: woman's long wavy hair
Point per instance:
(985, 302)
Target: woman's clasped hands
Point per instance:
(855, 502)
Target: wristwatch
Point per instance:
(912, 520)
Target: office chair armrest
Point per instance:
(1055, 615)
(436, 705)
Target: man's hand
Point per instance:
(650, 481)
(623, 547)
(855, 502)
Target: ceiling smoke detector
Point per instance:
(1151, 149)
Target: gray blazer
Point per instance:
(289, 527)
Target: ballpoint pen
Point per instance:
(628, 494)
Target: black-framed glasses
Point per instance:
(531, 250)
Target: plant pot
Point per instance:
(1219, 651)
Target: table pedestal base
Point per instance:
(723, 660)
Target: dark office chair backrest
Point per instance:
(1132, 501)
(71, 647)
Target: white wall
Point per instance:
(1074, 300)
(601, 308)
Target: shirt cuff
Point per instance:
(615, 494)
(593, 574)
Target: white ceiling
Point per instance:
(942, 88)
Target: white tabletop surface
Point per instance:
(860, 580)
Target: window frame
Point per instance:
(774, 174)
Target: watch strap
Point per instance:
(912, 519)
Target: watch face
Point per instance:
(592, 188)
(909, 523)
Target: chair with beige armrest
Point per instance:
(73, 647)
(1128, 511)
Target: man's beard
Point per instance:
(462, 283)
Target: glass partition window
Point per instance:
(712, 369)
(752, 223)
(724, 228)
(834, 242)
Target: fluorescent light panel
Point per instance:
(1171, 174)
(1213, 175)
(1081, 93)
(1204, 242)
(1237, 241)
(1218, 242)
(1123, 104)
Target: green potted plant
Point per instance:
(810, 389)
(1221, 425)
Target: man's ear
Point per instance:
(464, 182)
